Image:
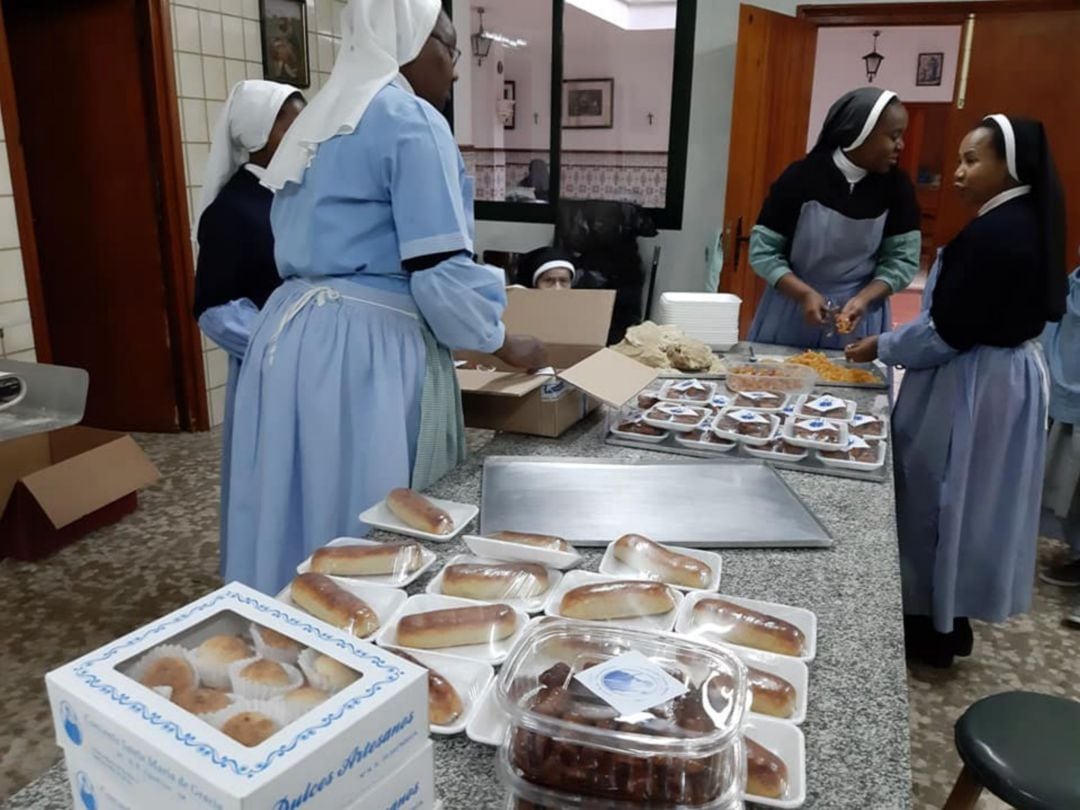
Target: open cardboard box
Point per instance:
(574, 326)
(57, 486)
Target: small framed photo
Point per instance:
(930, 68)
(510, 94)
(588, 104)
(284, 31)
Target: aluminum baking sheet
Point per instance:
(590, 502)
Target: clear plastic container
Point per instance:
(566, 746)
(744, 374)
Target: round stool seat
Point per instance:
(1024, 748)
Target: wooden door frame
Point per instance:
(186, 344)
(953, 13)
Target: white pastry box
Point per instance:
(368, 719)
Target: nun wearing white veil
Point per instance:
(235, 271)
(349, 389)
(969, 428)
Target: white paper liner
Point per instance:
(210, 673)
(164, 691)
(273, 653)
(316, 679)
(292, 711)
(164, 651)
(274, 709)
(260, 691)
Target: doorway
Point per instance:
(1015, 54)
(88, 97)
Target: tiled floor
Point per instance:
(166, 554)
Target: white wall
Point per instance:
(838, 65)
(16, 334)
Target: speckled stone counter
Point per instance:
(857, 722)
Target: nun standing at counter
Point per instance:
(841, 227)
(235, 273)
(348, 389)
(969, 427)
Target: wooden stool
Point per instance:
(1024, 748)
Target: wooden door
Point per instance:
(90, 137)
(774, 73)
(1023, 63)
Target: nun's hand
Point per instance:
(862, 351)
(853, 312)
(814, 307)
(523, 351)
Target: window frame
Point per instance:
(669, 217)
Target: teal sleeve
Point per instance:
(768, 255)
(898, 260)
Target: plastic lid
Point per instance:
(542, 688)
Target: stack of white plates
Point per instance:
(712, 318)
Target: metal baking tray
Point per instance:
(809, 465)
(590, 502)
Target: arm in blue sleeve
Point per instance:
(230, 325)
(768, 254)
(463, 303)
(915, 345)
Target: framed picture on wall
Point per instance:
(929, 70)
(283, 27)
(588, 104)
(510, 94)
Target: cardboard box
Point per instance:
(574, 325)
(410, 787)
(56, 487)
(150, 753)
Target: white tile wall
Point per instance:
(217, 44)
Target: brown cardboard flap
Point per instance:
(88, 481)
(20, 457)
(610, 377)
(499, 383)
(561, 317)
(71, 441)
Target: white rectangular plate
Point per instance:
(788, 743)
(790, 669)
(384, 601)
(788, 434)
(619, 570)
(660, 623)
(843, 464)
(398, 580)
(493, 653)
(381, 517)
(751, 441)
(471, 679)
(802, 618)
(532, 605)
(519, 552)
(488, 724)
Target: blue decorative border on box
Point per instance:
(192, 740)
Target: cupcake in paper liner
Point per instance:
(274, 645)
(300, 701)
(204, 700)
(263, 679)
(325, 673)
(249, 722)
(213, 657)
(168, 665)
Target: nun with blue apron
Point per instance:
(235, 272)
(839, 231)
(969, 427)
(348, 389)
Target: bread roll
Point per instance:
(535, 540)
(360, 561)
(249, 728)
(617, 600)
(223, 649)
(202, 700)
(766, 773)
(171, 671)
(444, 702)
(325, 599)
(736, 624)
(456, 627)
(503, 581)
(330, 673)
(265, 672)
(418, 512)
(770, 694)
(304, 698)
(642, 554)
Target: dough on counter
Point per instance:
(668, 347)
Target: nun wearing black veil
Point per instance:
(969, 428)
(841, 227)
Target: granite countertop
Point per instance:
(857, 746)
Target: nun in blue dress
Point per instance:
(235, 273)
(348, 389)
(969, 427)
(839, 227)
